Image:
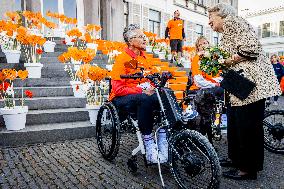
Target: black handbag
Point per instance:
(235, 83)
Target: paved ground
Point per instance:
(78, 164)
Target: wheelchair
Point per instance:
(218, 109)
(192, 159)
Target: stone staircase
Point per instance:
(54, 113)
(53, 110)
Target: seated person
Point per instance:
(138, 95)
(208, 87)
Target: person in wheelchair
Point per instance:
(206, 88)
(135, 95)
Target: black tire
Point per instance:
(273, 125)
(107, 131)
(194, 161)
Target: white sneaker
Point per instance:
(151, 150)
(163, 146)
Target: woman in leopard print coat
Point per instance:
(245, 131)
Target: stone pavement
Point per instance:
(78, 164)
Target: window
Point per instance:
(70, 8)
(216, 38)
(281, 53)
(266, 30)
(281, 28)
(154, 21)
(199, 29)
(126, 14)
(200, 2)
(17, 5)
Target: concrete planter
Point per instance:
(169, 56)
(49, 46)
(93, 112)
(162, 55)
(34, 69)
(156, 51)
(186, 64)
(92, 46)
(79, 89)
(15, 118)
(149, 48)
(109, 67)
(12, 56)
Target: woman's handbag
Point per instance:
(235, 83)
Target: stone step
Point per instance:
(43, 133)
(35, 117)
(58, 102)
(46, 91)
(42, 82)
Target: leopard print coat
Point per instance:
(240, 38)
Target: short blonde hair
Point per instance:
(223, 10)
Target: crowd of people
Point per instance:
(245, 116)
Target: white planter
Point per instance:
(15, 118)
(34, 69)
(35, 31)
(93, 112)
(149, 48)
(12, 56)
(79, 89)
(186, 64)
(109, 67)
(59, 32)
(68, 40)
(49, 46)
(169, 56)
(162, 55)
(92, 46)
(156, 51)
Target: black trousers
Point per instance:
(245, 136)
(142, 105)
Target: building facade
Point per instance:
(114, 15)
(269, 25)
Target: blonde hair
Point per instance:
(197, 42)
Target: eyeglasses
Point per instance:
(140, 37)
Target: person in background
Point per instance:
(281, 60)
(175, 32)
(207, 87)
(245, 117)
(279, 71)
(138, 96)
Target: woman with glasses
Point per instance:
(138, 95)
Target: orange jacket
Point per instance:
(175, 27)
(196, 71)
(127, 63)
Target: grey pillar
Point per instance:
(92, 11)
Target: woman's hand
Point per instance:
(149, 91)
(233, 60)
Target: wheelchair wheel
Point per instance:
(107, 131)
(194, 162)
(273, 125)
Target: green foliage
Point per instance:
(212, 60)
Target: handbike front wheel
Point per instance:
(273, 125)
(194, 162)
(107, 131)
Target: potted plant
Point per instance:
(91, 35)
(12, 36)
(33, 51)
(14, 116)
(96, 91)
(150, 42)
(49, 45)
(78, 75)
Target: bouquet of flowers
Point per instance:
(212, 60)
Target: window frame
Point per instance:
(202, 29)
(268, 30)
(155, 22)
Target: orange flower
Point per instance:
(23, 74)
(82, 73)
(97, 74)
(10, 74)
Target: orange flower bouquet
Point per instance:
(96, 91)
(33, 51)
